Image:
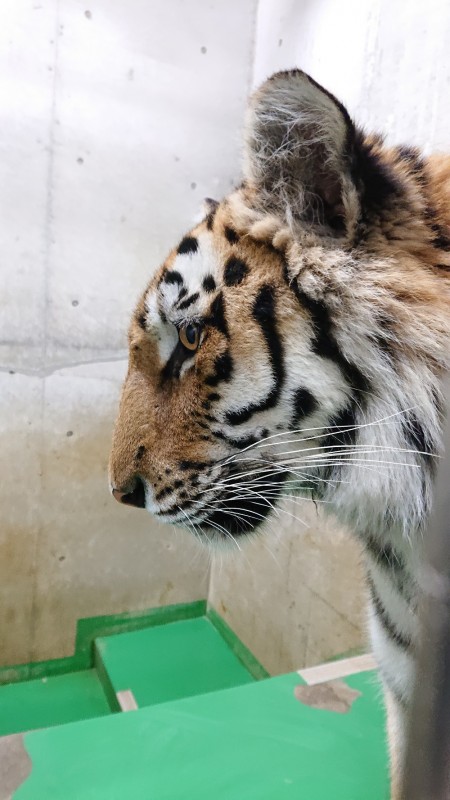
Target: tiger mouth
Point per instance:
(238, 516)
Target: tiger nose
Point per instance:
(133, 495)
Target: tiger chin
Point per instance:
(294, 342)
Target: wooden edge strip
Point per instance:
(126, 700)
(337, 669)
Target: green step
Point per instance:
(253, 742)
(159, 654)
(170, 661)
(51, 701)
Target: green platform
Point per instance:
(254, 742)
(51, 701)
(206, 725)
(162, 654)
(171, 661)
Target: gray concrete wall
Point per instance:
(295, 596)
(112, 132)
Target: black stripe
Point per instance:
(173, 366)
(324, 343)
(175, 508)
(342, 430)
(240, 444)
(304, 404)
(264, 312)
(235, 271)
(198, 465)
(172, 276)
(402, 641)
(384, 555)
(231, 235)
(188, 302)
(342, 426)
(441, 241)
(387, 559)
(380, 184)
(187, 246)
(164, 493)
(209, 284)
(216, 317)
(203, 425)
(418, 439)
(223, 370)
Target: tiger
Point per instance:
(294, 343)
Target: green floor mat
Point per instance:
(170, 661)
(254, 742)
(51, 701)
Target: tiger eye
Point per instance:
(189, 337)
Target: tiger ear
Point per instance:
(299, 151)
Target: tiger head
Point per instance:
(293, 317)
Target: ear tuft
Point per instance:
(298, 150)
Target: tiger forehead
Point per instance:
(212, 257)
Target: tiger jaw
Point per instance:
(231, 506)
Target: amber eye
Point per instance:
(190, 337)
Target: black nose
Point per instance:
(135, 497)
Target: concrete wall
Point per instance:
(112, 132)
(117, 119)
(388, 60)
